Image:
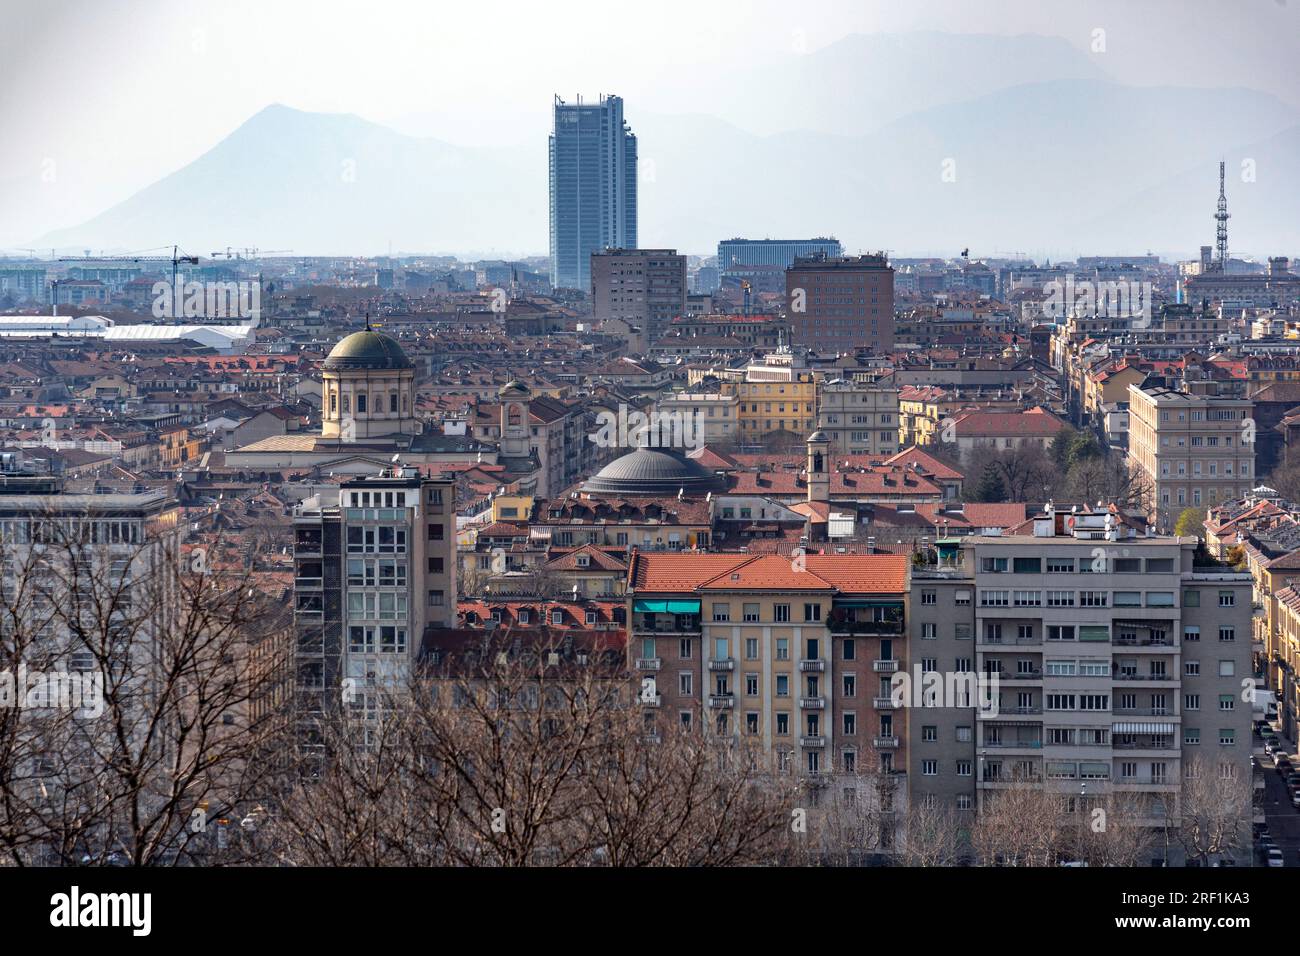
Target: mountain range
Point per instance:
(1038, 153)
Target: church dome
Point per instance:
(653, 471)
(367, 350)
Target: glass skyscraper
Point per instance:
(593, 187)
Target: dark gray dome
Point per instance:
(654, 471)
(368, 349)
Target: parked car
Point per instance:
(1282, 765)
(1275, 857)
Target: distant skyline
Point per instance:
(100, 100)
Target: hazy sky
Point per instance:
(106, 96)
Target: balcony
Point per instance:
(652, 700)
(722, 701)
(842, 628)
(307, 584)
(884, 667)
(884, 742)
(1131, 676)
(1012, 744)
(812, 703)
(667, 625)
(722, 664)
(883, 703)
(812, 741)
(1018, 675)
(649, 663)
(814, 664)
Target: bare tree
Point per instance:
(1021, 825)
(177, 655)
(932, 835)
(1213, 809)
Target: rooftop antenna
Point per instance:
(1221, 217)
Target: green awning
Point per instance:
(862, 602)
(666, 607)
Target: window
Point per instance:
(685, 648)
(685, 683)
(850, 649)
(782, 685)
(850, 724)
(1027, 565)
(1092, 598)
(781, 613)
(1192, 668)
(1191, 702)
(1060, 565)
(1227, 702)
(1191, 633)
(1127, 598)
(993, 565)
(783, 648)
(1027, 598)
(1060, 599)
(929, 597)
(812, 612)
(1227, 599)
(929, 631)
(782, 724)
(929, 733)
(1227, 633)
(1191, 599)
(930, 768)
(722, 612)
(1094, 632)
(751, 613)
(1060, 632)
(1160, 599)
(850, 686)
(993, 598)
(1227, 736)
(1160, 565)
(1127, 565)
(1191, 736)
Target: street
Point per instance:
(1282, 818)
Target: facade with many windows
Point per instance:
(1109, 667)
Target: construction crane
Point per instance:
(250, 252)
(176, 258)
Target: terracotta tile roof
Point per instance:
(862, 573)
(1034, 423)
(669, 572)
(768, 572)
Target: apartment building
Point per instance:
(795, 654)
(858, 417)
(777, 394)
(840, 303)
(644, 287)
(374, 565)
(1193, 442)
(1108, 665)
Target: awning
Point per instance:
(1142, 728)
(1129, 622)
(667, 607)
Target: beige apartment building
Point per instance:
(858, 418)
(1109, 665)
(794, 654)
(1193, 443)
